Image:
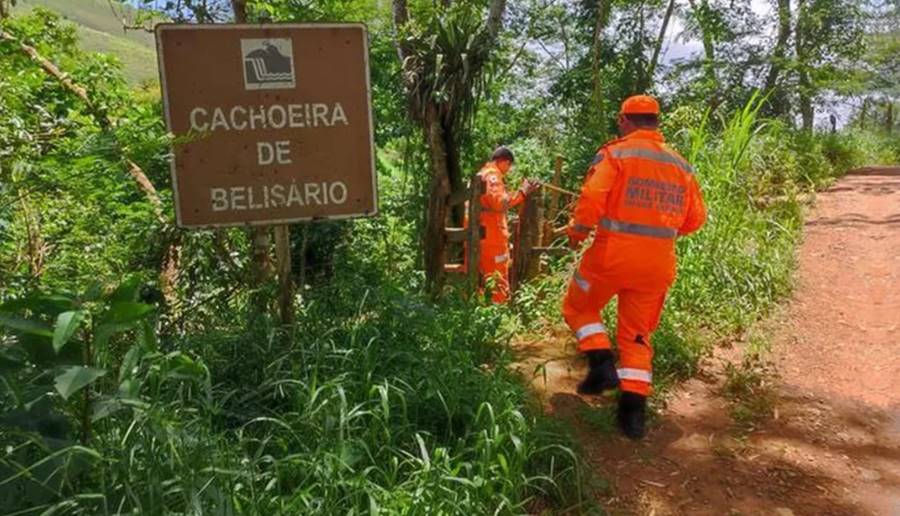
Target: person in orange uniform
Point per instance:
(638, 197)
(495, 202)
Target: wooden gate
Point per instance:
(532, 233)
(469, 235)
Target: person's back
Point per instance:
(651, 200)
(494, 259)
(494, 204)
(639, 196)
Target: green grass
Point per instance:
(100, 31)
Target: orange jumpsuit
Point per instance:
(639, 195)
(494, 261)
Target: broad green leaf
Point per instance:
(182, 367)
(9, 361)
(106, 407)
(41, 304)
(129, 362)
(93, 292)
(76, 378)
(126, 291)
(121, 316)
(24, 325)
(147, 336)
(125, 312)
(66, 324)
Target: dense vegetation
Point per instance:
(142, 371)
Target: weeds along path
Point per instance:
(816, 431)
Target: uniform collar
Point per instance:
(645, 134)
(491, 166)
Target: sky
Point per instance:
(675, 46)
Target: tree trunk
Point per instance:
(709, 51)
(659, 42)
(454, 171)
(436, 214)
(709, 47)
(804, 84)
(863, 112)
(807, 112)
(596, 80)
(240, 10)
(889, 117)
(285, 277)
(777, 101)
(700, 12)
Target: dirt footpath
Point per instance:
(832, 443)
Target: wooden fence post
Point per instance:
(469, 235)
(285, 279)
(473, 240)
(527, 263)
(553, 208)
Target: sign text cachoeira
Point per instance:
(273, 123)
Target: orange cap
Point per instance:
(640, 105)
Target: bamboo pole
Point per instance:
(557, 189)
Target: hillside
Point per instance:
(100, 31)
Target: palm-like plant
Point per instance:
(444, 52)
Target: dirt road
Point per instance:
(832, 444)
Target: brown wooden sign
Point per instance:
(273, 123)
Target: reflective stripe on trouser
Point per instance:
(639, 314)
(638, 317)
(494, 269)
(581, 310)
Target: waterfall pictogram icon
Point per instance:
(268, 64)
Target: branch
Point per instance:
(659, 41)
(487, 37)
(126, 25)
(48, 67)
(495, 19)
(101, 119)
(240, 10)
(527, 36)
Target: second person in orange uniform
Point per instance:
(494, 257)
(639, 196)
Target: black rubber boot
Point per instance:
(601, 374)
(633, 415)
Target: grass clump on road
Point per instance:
(750, 389)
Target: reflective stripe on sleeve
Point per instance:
(662, 157)
(582, 283)
(632, 228)
(589, 329)
(635, 374)
(500, 258)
